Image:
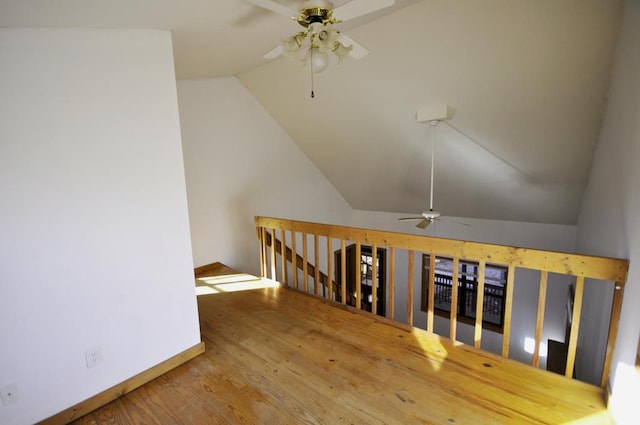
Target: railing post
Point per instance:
(273, 255)
(343, 270)
(392, 280)
(453, 315)
(477, 338)
(542, 299)
(316, 265)
(263, 249)
(305, 262)
(410, 280)
(374, 279)
(358, 265)
(431, 291)
(508, 307)
(294, 259)
(618, 291)
(283, 256)
(575, 326)
(330, 268)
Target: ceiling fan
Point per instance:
(428, 217)
(319, 37)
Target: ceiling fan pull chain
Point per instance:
(311, 68)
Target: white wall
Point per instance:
(530, 235)
(94, 236)
(240, 163)
(609, 222)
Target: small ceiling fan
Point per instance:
(319, 37)
(427, 217)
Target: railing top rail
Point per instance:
(594, 267)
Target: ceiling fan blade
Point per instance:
(276, 52)
(274, 7)
(454, 221)
(358, 51)
(356, 8)
(411, 218)
(424, 223)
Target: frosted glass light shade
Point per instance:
(318, 60)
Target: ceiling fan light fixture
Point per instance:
(293, 44)
(317, 59)
(325, 39)
(341, 51)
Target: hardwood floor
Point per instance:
(276, 356)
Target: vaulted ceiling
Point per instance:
(526, 80)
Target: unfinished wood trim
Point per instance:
(575, 327)
(316, 265)
(431, 291)
(477, 338)
(453, 315)
(374, 279)
(410, 280)
(358, 271)
(117, 391)
(618, 292)
(392, 283)
(542, 299)
(343, 271)
(508, 310)
(603, 268)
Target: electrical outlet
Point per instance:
(9, 394)
(93, 357)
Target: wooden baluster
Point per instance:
(542, 300)
(374, 279)
(343, 270)
(410, 280)
(575, 326)
(618, 291)
(392, 280)
(316, 257)
(431, 291)
(305, 263)
(508, 308)
(273, 255)
(358, 267)
(330, 269)
(263, 252)
(294, 259)
(259, 237)
(477, 338)
(283, 256)
(453, 315)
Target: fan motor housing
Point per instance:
(312, 15)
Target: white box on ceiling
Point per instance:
(433, 113)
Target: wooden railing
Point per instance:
(605, 271)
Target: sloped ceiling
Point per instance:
(527, 82)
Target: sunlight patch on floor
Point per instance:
(433, 349)
(232, 283)
(600, 418)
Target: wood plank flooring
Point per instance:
(276, 356)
